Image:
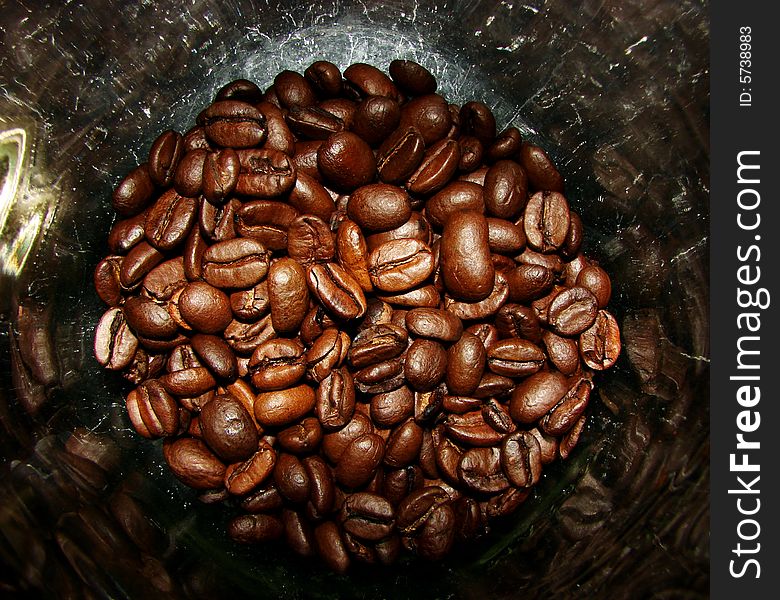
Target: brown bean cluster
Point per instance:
(353, 311)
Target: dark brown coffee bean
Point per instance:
(375, 118)
(265, 173)
(164, 157)
(241, 478)
(572, 311)
(399, 483)
(264, 499)
(346, 161)
(390, 408)
(536, 395)
(400, 154)
(492, 385)
(240, 89)
(505, 237)
(293, 89)
(600, 343)
(426, 364)
(322, 488)
(521, 459)
(458, 196)
(542, 174)
(365, 80)
(251, 304)
(162, 282)
(337, 291)
(546, 221)
(477, 119)
(427, 404)
(282, 407)
(563, 352)
(425, 296)
(403, 445)
(466, 360)
(548, 445)
(229, 429)
(515, 357)
(277, 364)
(220, 175)
(302, 438)
(416, 227)
(460, 404)
(359, 460)
(412, 78)
(327, 352)
(497, 416)
(125, 234)
(291, 478)
(243, 338)
(334, 443)
(188, 180)
(376, 344)
(149, 319)
(569, 441)
(335, 402)
(251, 529)
(305, 158)
(380, 377)
(216, 355)
(309, 240)
(596, 280)
(573, 242)
(237, 263)
(217, 221)
(194, 248)
(484, 308)
(549, 261)
(471, 153)
(430, 115)
(352, 253)
(195, 139)
(205, 308)
(134, 193)
(325, 78)
(567, 411)
(367, 516)
(426, 523)
(169, 219)
(480, 471)
(437, 168)
(400, 265)
(506, 189)
(471, 429)
(379, 207)
(529, 282)
(313, 122)
(193, 463)
(152, 410)
(106, 278)
(514, 320)
(330, 545)
(234, 124)
(434, 324)
(506, 145)
(466, 268)
(289, 295)
(477, 176)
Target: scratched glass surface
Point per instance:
(615, 90)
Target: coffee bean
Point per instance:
(426, 364)
(412, 78)
(458, 196)
(506, 189)
(480, 470)
(542, 174)
(313, 122)
(565, 413)
(127, 233)
(367, 516)
(346, 161)
(465, 264)
(377, 343)
(237, 263)
(365, 80)
(152, 411)
(563, 352)
(506, 145)
(375, 118)
(220, 175)
(264, 173)
(288, 294)
(359, 460)
(149, 319)
(241, 478)
(536, 395)
(483, 308)
(521, 459)
(466, 360)
(250, 529)
(169, 219)
(134, 192)
(234, 124)
(324, 77)
(546, 221)
(330, 545)
(403, 445)
(352, 253)
(115, 343)
(497, 416)
(569, 441)
(400, 154)
(437, 168)
(427, 523)
(477, 119)
(400, 265)
(515, 320)
(282, 407)
(205, 308)
(106, 279)
(193, 463)
(600, 343)
(379, 207)
(302, 438)
(277, 364)
(337, 291)
(322, 488)
(434, 324)
(572, 311)
(335, 399)
(515, 357)
(529, 282)
(430, 115)
(240, 89)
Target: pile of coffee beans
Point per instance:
(355, 313)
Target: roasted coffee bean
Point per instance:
(377, 343)
(477, 119)
(335, 442)
(188, 180)
(480, 470)
(542, 174)
(313, 122)
(282, 407)
(572, 311)
(310, 240)
(390, 408)
(497, 416)
(164, 157)
(569, 441)
(365, 80)
(169, 219)
(115, 343)
(596, 280)
(466, 361)
(430, 115)
(471, 429)
(330, 545)
(250, 529)
(493, 385)
(293, 89)
(400, 265)
(352, 253)
(412, 78)
(426, 523)
(322, 488)
(471, 153)
(149, 319)
(379, 207)
(380, 377)
(403, 445)
(265, 173)
(291, 478)
(279, 136)
(228, 429)
(504, 237)
(456, 197)
(515, 357)
(205, 308)
(506, 145)
(427, 404)
(327, 352)
(127, 233)
(505, 503)
(193, 463)
(536, 395)
(238, 263)
(434, 324)
(563, 352)
(277, 364)
(251, 304)
(416, 227)
(152, 410)
(264, 499)
(600, 343)
(194, 248)
(426, 296)
(521, 459)
(106, 278)
(367, 516)
(460, 404)
(549, 261)
(573, 242)
(465, 262)
(359, 460)
(426, 364)
(309, 197)
(288, 294)
(240, 89)
(437, 168)
(515, 320)
(220, 175)
(134, 192)
(234, 124)
(324, 77)
(335, 402)
(484, 308)
(546, 221)
(162, 282)
(346, 161)
(375, 118)
(217, 221)
(243, 338)
(337, 291)
(567, 411)
(400, 154)
(302, 438)
(241, 478)
(195, 139)
(506, 189)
